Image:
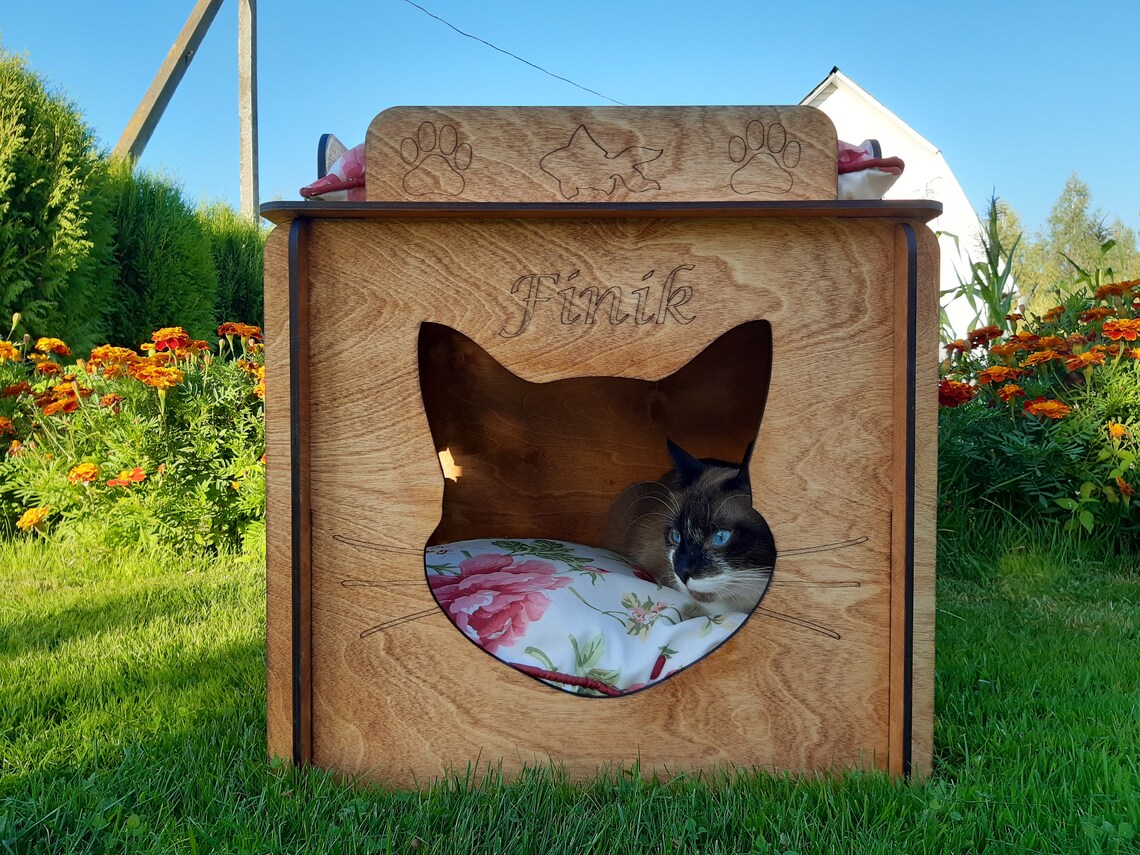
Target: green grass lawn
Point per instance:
(132, 719)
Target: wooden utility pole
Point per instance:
(145, 119)
(247, 105)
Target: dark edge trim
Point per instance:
(296, 522)
(911, 392)
(322, 153)
(918, 209)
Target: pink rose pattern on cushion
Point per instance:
(494, 598)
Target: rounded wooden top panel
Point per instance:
(601, 154)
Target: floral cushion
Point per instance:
(580, 618)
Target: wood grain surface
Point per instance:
(399, 695)
(601, 154)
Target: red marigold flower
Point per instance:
(128, 477)
(1098, 314)
(53, 345)
(998, 374)
(1127, 329)
(1048, 408)
(1015, 316)
(6, 425)
(951, 393)
(1084, 360)
(16, 389)
(112, 401)
(1010, 391)
(170, 338)
(83, 473)
(1053, 314)
(958, 345)
(983, 335)
(1125, 488)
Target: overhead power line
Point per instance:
(514, 55)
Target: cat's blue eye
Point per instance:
(675, 535)
(721, 537)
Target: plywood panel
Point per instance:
(417, 696)
(610, 154)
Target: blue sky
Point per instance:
(1017, 95)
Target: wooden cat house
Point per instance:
(500, 339)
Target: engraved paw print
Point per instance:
(438, 161)
(766, 160)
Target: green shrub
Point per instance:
(238, 248)
(56, 266)
(166, 267)
(127, 449)
(1043, 426)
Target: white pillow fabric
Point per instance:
(579, 618)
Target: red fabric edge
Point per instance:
(568, 679)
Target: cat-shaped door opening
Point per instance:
(531, 471)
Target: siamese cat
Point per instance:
(695, 529)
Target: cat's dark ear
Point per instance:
(743, 480)
(689, 467)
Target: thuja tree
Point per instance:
(56, 266)
(166, 275)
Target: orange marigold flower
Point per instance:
(113, 360)
(1097, 314)
(1053, 314)
(53, 345)
(1051, 342)
(243, 330)
(15, 447)
(32, 518)
(1084, 360)
(1010, 391)
(47, 368)
(6, 425)
(1028, 339)
(159, 377)
(16, 389)
(1015, 316)
(998, 374)
(1127, 329)
(1125, 488)
(1007, 350)
(262, 461)
(958, 345)
(1048, 408)
(983, 335)
(1110, 349)
(1116, 430)
(1116, 289)
(84, 473)
(951, 393)
(111, 400)
(192, 347)
(8, 352)
(170, 338)
(1039, 358)
(128, 477)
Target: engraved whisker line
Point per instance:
(400, 620)
(375, 547)
(806, 624)
(801, 583)
(825, 547)
(368, 583)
